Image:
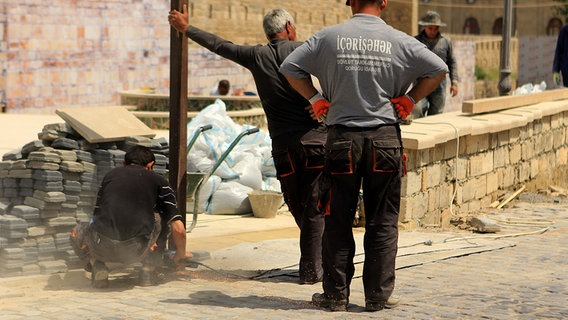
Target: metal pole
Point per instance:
(178, 113)
(505, 67)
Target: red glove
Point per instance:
(320, 106)
(403, 105)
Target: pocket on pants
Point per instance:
(386, 158)
(314, 156)
(283, 163)
(340, 158)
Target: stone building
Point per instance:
(485, 17)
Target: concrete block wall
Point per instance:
(498, 152)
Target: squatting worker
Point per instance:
(297, 139)
(365, 68)
(134, 214)
(435, 102)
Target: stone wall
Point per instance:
(498, 152)
(83, 53)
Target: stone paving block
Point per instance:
(49, 135)
(44, 156)
(72, 166)
(12, 155)
(50, 267)
(25, 212)
(10, 183)
(47, 175)
(48, 186)
(62, 127)
(3, 242)
(19, 164)
(43, 165)
(72, 186)
(50, 196)
(12, 227)
(31, 269)
(89, 167)
(101, 155)
(32, 146)
(138, 141)
(84, 156)
(65, 144)
(10, 192)
(26, 183)
(21, 173)
(66, 155)
(12, 254)
(73, 176)
(61, 222)
(49, 213)
(86, 145)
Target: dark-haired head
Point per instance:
(139, 155)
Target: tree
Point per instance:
(562, 10)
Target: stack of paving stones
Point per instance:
(49, 186)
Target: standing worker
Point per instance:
(435, 102)
(297, 138)
(560, 64)
(365, 68)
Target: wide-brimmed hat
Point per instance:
(432, 18)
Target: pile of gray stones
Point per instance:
(47, 187)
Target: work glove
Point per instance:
(556, 78)
(403, 105)
(320, 106)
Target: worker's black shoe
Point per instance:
(323, 301)
(391, 303)
(99, 275)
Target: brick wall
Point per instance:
(83, 53)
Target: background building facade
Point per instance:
(485, 17)
(84, 53)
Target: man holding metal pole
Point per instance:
(297, 138)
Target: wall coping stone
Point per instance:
(425, 133)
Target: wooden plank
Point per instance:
(106, 123)
(193, 114)
(506, 102)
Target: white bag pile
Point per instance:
(249, 166)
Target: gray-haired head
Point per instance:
(275, 20)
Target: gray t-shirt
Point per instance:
(360, 65)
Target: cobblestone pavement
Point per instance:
(518, 273)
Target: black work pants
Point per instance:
(299, 161)
(371, 156)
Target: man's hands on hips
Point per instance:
(403, 105)
(179, 21)
(320, 106)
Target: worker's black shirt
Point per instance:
(283, 106)
(127, 200)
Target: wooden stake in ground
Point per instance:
(513, 196)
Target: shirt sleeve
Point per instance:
(167, 204)
(243, 55)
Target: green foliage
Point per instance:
(480, 73)
(491, 74)
(562, 10)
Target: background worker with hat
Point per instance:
(441, 46)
